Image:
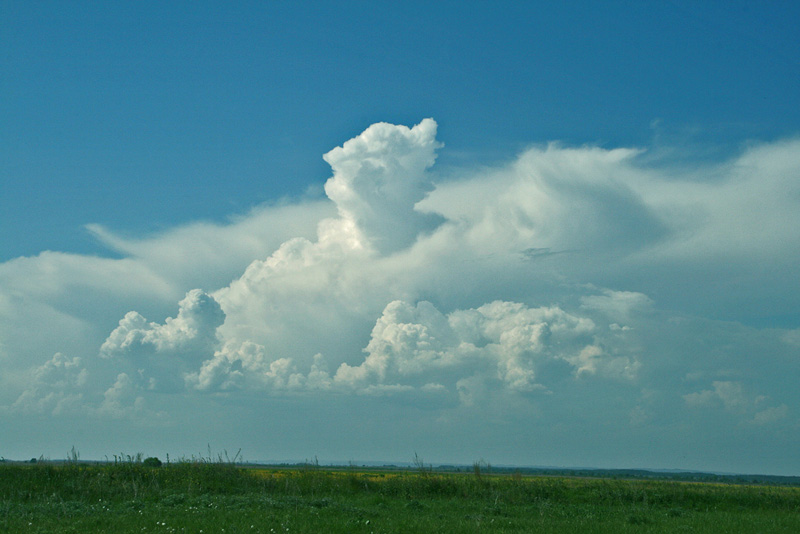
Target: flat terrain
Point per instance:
(213, 497)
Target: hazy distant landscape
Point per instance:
(482, 466)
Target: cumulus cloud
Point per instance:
(188, 338)
(57, 302)
(122, 399)
(502, 341)
(418, 348)
(571, 288)
(57, 387)
(379, 177)
(248, 366)
(193, 329)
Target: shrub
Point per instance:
(151, 462)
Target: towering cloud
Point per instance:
(378, 178)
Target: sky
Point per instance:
(533, 233)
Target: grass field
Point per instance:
(215, 497)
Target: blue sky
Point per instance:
(575, 219)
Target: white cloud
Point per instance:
(573, 288)
(61, 302)
(732, 396)
(378, 178)
(122, 399)
(745, 212)
(57, 387)
(205, 254)
(164, 350)
(503, 341)
(557, 200)
(417, 347)
(66, 303)
(193, 329)
(247, 366)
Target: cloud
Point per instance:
(618, 305)
(771, 415)
(57, 302)
(307, 307)
(205, 254)
(122, 399)
(189, 338)
(732, 396)
(192, 330)
(379, 177)
(572, 290)
(247, 366)
(505, 341)
(559, 199)
(418, 348)
(57, 387)
(68, 303)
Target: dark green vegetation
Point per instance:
(215, 497)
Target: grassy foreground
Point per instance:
(210, 497)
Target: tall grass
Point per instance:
(128, 478)
(125, 478)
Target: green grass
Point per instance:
(203, 496)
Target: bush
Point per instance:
(151, 462)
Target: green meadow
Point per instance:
(202, 496)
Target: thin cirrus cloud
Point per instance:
(574, 288)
